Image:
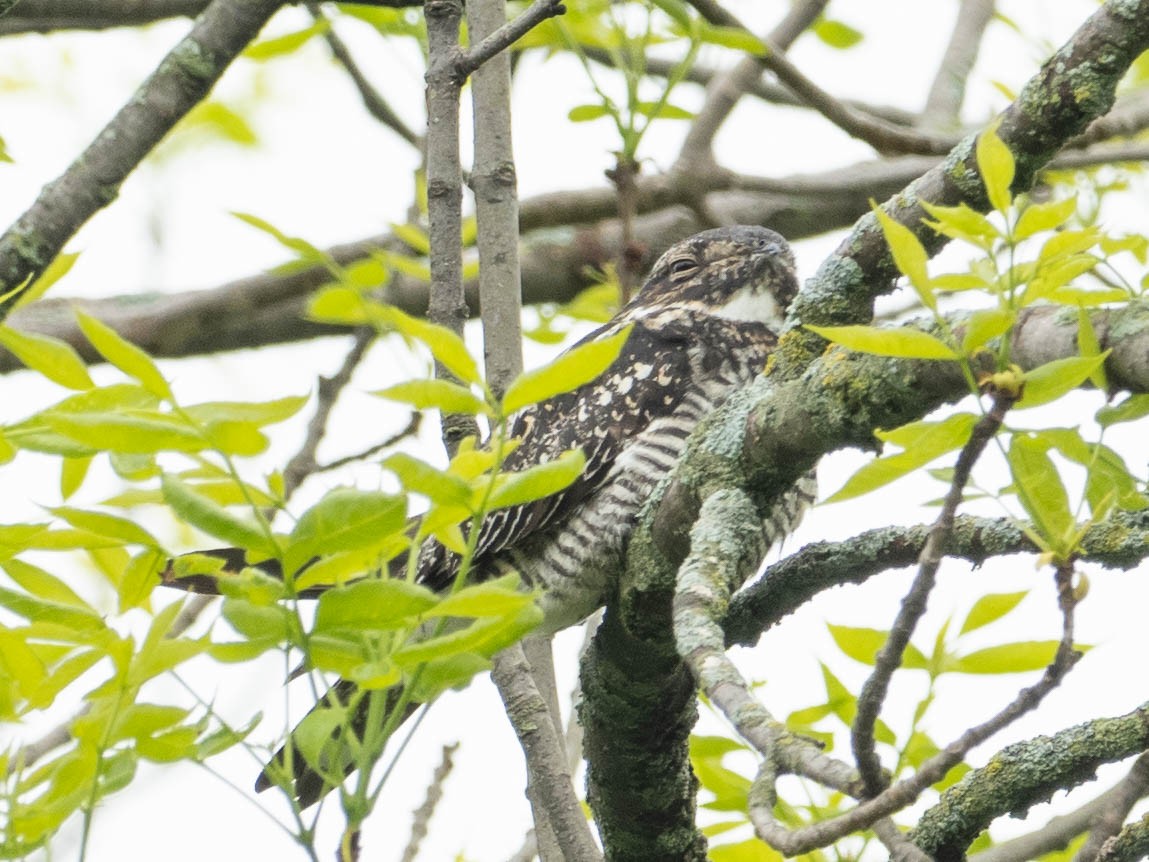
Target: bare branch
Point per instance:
(375, 104)
(506, 35)
(182, 80)
(889, 658)
(1059, 831)
(1122, 542)
(550, 780)
(47, 16)
(725, 89)
(426, 811)
(943, 104)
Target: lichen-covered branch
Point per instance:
(637, 711)
(1122, 541)
(180, 82)
(1074, 87)
(1024, 774)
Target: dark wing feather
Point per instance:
(600, 417)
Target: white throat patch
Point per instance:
(747, 304)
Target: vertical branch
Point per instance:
(181, 81)
(447, 306)
(493, 181)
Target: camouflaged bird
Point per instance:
(703, 324)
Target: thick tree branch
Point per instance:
(1059, 831)
(1127, 793)
(1073, 88)
(1121, 542)
(1024, 774)
(181, 81)
(48, 16)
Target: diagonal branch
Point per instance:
(943, 104)
(889, 658)
(182, 80)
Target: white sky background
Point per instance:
(326, 172)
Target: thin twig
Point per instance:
(373, 101)
(884, 137)
(507, 35)
(889, 658)
(724, 91)
(424, 813)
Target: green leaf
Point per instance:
(1045, 216)
(124, 355)
(257, 413)
(678, 12)
(55, 359)
(43, 585)
(907, 343)
(437, 485)
(338, 305)
(140, 578)
(267, 49)
(73, 471)
(964, 223)
(579, 365)
(373, 605)
(447, 347)
(909, 256)
(303, 249)
(414, 236)
(442, 395)
(38, 610)
(732, 37)
(990, 608)
(499, 597)
(983, 326)
(995, 163)
(259, 622)
(345, 519)
(136, 431)
(863, 645)
(1050, 381)
(204, 514)
(662, 111)
(1011, 658)
(541, 480)
(1040, 491)
(586, 113)
(922, 441)
(1088, 346)
(485, 636)
(1131, 409)
(103, 524)
(60, 266)
(836, 34)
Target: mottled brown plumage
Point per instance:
(703, 324)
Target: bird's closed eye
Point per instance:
(682, 267)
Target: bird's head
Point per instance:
(744, 273)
